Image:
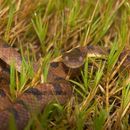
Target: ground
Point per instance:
(45, 29)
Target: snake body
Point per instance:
(36, 97)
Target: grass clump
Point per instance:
(101, 91)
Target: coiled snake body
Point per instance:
(37, 97)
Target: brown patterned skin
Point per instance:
(36, 97)
(4, 86)
(10, 55)
(4, 100)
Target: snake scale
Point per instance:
(36, 97)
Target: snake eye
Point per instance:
(80, 58)
(66, 58)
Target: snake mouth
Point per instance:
(73, 65)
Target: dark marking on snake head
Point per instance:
(6, 45)
(54, 64)
(21, 102)
(14, 112)
(35, 92)
(57, 88)
(2, 93)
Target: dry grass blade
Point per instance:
(45, 29)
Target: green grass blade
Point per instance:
(10, 20)
(100, 120)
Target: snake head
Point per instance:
(73, 59)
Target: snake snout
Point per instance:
(73, 62)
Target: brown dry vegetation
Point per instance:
(102, 94)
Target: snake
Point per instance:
(35, 98)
